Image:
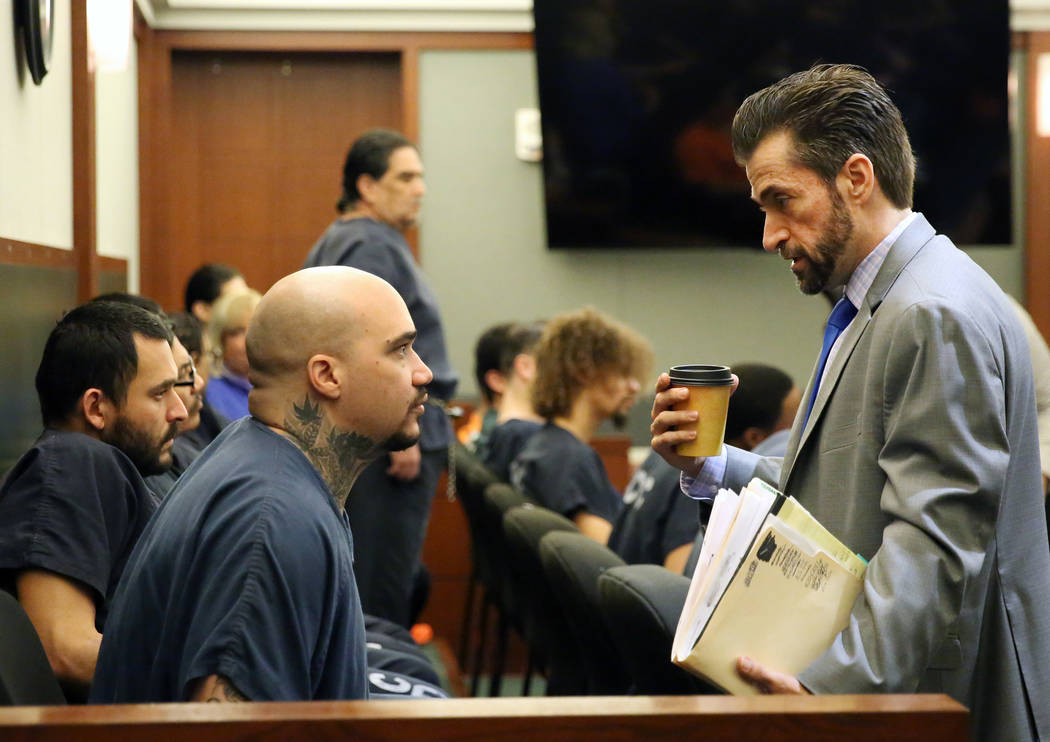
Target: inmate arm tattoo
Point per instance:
(224, 692)
(338, 455)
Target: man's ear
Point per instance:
(201, 310)
(97, 410)
(753, 436)
(525, 366)
(324, 375)
(857, 178)
(366, 186)
(495, 381)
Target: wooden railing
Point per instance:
(676, 719)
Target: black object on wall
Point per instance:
(637, 99)
(35, 20)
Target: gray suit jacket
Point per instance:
(921, 453)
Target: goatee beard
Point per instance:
(400, 441)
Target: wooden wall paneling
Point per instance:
(154, 80)
(1037, 212)
(165, 262)
(613, 450)
(84, 210)
(341, 41)
(112, 274)
(254, 157)
(323, 102)
(144, 49)
(410, 119)
(15, 252)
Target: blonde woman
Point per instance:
(227, 390)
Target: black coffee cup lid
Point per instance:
(700, 374)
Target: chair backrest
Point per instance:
(26, 678)
(573, 563)
(498, 499)
(546, 627)
(641, 604)
(472, 477)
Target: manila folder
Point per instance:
(784, 607)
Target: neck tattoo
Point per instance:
(339, 456)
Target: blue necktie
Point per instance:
(841, 316)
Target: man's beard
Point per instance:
(197, 404)
(400, 441)
(829, 249)
(138, 446)
(618, 419)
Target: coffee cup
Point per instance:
(709, 387)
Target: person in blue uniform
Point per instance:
(516, 417)
(588, 368)
(382, 194)
(73, 506)
(242, 586)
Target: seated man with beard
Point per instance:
(242, 586)
(195, 438)
(588, 368)
(190, 387)
(73, 506)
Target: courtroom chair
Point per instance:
(498, 498)
(641, 604)
(26, 678)
(573, 563)
(551, 641)
(471, 479)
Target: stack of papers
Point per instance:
(771, 583)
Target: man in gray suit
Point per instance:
(916, 441)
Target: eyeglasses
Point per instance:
(190, 382)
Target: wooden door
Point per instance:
(254, 157)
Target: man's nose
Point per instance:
(176, 410)
(421, 374)
(774, 234)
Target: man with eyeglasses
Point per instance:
(74, 505)
(189, 385)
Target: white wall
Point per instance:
(36, 147)
(117, 166)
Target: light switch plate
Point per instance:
(528, 136)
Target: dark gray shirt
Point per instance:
(75, 506)
(504, 443)
(657, 517)
(245, 571)
(565, 475)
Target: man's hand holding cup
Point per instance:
(689, 414)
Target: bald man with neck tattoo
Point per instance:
(242, 586)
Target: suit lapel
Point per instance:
(900, 254)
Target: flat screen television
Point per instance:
(637, 98)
